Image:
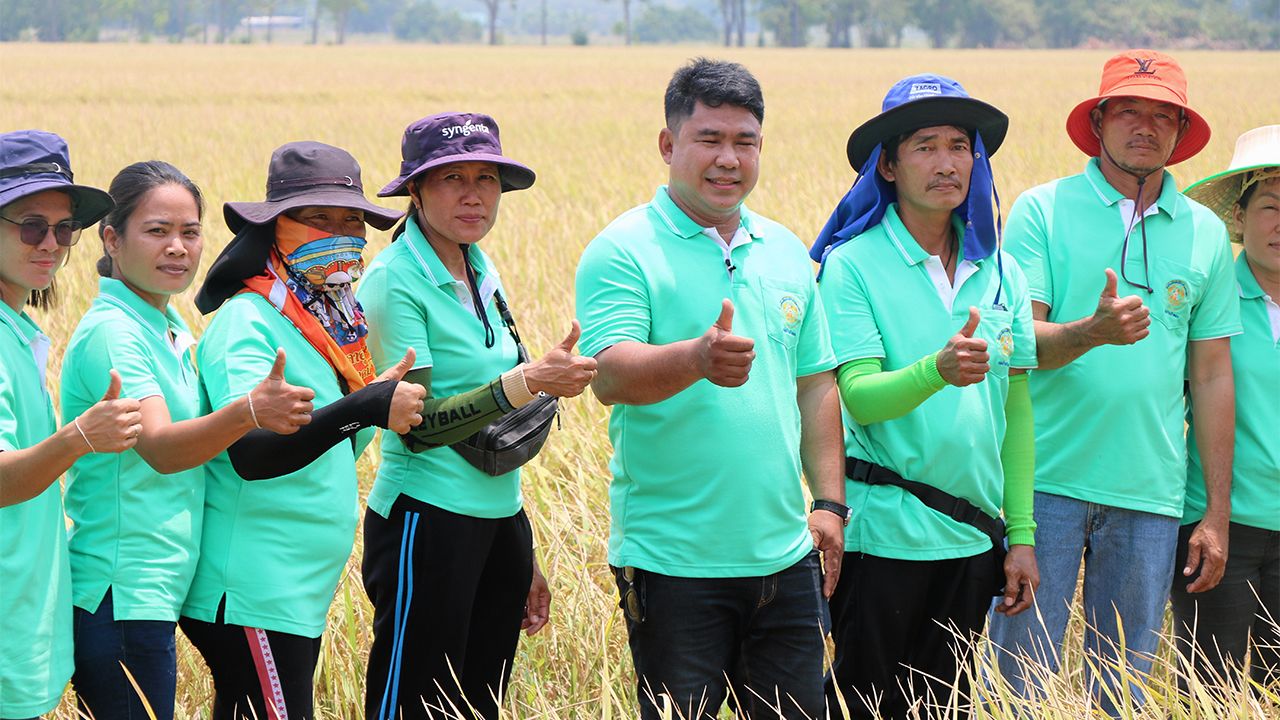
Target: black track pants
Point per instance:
(448, 594)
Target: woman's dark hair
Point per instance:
(130, 186)
(1247, 195)
(44, 299)
(713, 83)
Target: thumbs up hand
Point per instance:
(964, 360)
(560, 372)
(276, 405)
(112, 424)
(724, 358)
(408, 399)
(1119, 320)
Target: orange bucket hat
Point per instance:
(1143, 74)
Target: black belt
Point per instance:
(956, 508)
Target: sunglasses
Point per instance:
(33, 231)
(632, 604)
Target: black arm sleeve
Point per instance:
(262, 454)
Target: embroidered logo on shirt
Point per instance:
(1005, 340)
(1175, 294)
(791, 314)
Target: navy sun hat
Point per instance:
(32, 161)
(454, 137)
(915, 102)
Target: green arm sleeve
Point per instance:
(1018, 456)
(872, 395)
(449, 419)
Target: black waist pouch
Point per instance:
(513, 439)
(956, 508)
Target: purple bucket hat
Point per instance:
(454, 137)
(33, 161)
(309, 173)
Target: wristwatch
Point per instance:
(844, 512)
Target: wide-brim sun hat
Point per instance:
(1257, 149)
(33, 161)
(455, 137)
(921, 101)
(300, 174)
(309, 173)
(1143, 74)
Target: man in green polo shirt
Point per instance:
(713, 350)
(931, 324)
(1133, 293)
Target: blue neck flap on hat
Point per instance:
(863, 207)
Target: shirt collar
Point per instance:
(1248, 284)
(118, 294)
(681, 224)
(431, 264)
(1167, 202)
(21, 325)
(908, 248)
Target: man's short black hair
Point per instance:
(713, 83)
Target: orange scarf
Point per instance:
(351, 361)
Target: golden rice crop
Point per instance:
(587, 120)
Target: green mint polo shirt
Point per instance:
(35, 578)
(1255, 359)
(133, 530)
(412, 301)
(275, 548)
(1109, 425)
(706, 483)
(882, 302)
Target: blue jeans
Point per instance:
(763, 634)
(145, 647)
(1128, 566)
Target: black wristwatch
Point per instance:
(844, 512)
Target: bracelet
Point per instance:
(76, 422)
(249, 396)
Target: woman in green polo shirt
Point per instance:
(1219, 627)
(448, 554)
(41, 216)
(280, 510)
(136, 516)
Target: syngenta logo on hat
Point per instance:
(453, 131)
(918, 89)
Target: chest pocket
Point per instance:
(996, 327)
(1177, 291)
(784, 307)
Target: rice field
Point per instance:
(586, 119)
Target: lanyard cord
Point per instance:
(1140, 213)
(503, 310)
(476, 301)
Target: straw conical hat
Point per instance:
(1256, 149)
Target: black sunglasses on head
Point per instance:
(33, 231)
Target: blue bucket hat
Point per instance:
(915, 102)
(32, 161)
